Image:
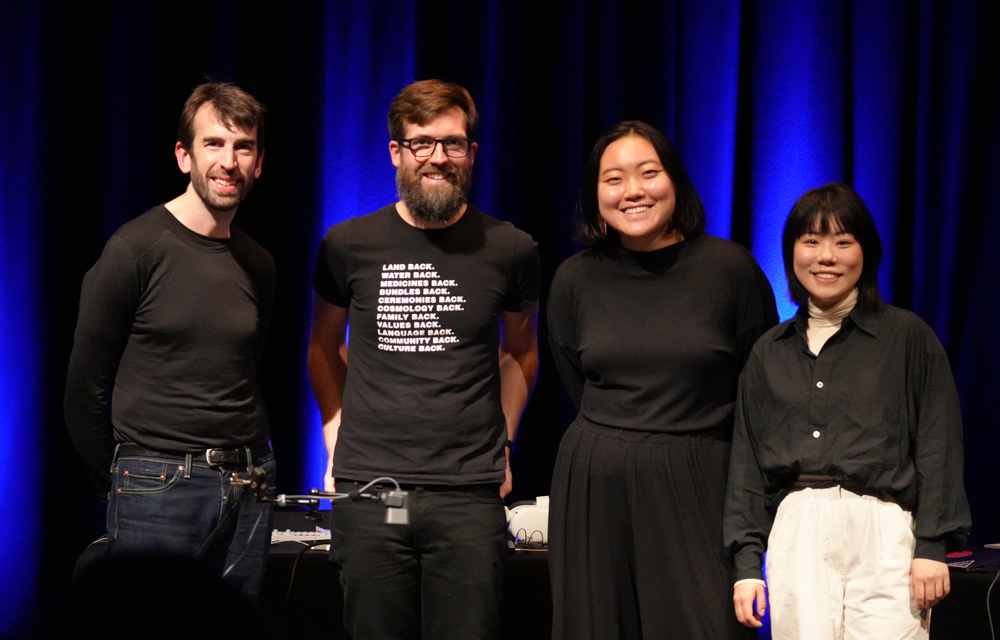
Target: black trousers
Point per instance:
(635, 524)
(440, 577)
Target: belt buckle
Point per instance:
(208, 458)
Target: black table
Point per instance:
(302, 593)
(965, 613)
(309, 604)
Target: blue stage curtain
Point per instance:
(22, 337)
(763, 98)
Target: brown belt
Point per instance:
(811, 481)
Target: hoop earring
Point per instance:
(604, 227)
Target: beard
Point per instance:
(435, 204)
(220, 202)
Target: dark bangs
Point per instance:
(834, 207)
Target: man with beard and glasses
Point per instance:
(161, 396)
(442, 301)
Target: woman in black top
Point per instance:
(650, 326)
(847, 457)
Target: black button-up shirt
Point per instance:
(877, 407)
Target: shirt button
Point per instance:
(819, 384)
(815, 434)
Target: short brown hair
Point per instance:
(235, 107)
(421, 101)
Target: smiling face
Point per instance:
(434, 188)
(828, 265)
(223, 162)
(635, 195)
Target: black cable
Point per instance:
(246, 545)
(249, 490)
(222, 526)
(988, 612)
(291, 579)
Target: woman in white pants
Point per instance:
(847, 456)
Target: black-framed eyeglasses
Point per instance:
(424, 146)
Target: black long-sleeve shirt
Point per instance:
(655, 341)
(172, 322)
(877, 408)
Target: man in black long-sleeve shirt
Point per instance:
(161, 398)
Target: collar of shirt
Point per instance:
(865, 319)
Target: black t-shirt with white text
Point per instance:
(422, 395)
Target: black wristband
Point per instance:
(509, 443)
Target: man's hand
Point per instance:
(744, 595)
(508, 481)
(931, 582)
(518, 360)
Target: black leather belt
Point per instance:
(241, 457)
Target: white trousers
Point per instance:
(838, 568)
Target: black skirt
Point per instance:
(635, 524)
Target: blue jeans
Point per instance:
(440, 577)
(172, 504)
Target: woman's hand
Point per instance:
(931, 582)
(744, 595)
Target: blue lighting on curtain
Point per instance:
(706, 100)
(495, 176)
(763, 99)
(944, 88)
(369, 58)
(20, 313)
(362, 78)
(798, 119)
(879, 33)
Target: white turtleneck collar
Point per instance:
(823, 324)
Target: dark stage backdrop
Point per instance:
(763, 98)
